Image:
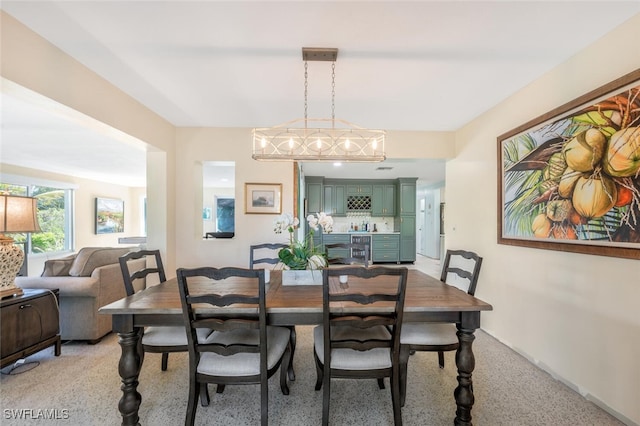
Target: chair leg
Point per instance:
(192, 404)
(264, 400)
(165, 361)
(204, 395)
(441, 359)
(381, 383)
(405, 351)
(326, 398)
(219, 388)
(292, 340)
(284, 368)
(319, 372)
(396, 395)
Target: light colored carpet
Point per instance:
(84, 381)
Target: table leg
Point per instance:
(465, 362)
(129, 367)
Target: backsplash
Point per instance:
(343, 224)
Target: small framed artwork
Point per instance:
(263, 198)
(206, 213)
(109, 215)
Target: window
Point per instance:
(55, 215)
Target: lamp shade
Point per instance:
(18, 214)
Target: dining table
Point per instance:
(427, 300)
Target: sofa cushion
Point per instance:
(90, 258)
(58, 267)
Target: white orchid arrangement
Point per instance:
(302, 254)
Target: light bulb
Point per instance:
(319, 143)
(263, 142)
(374, 145)
(291, 143)
(347, 143)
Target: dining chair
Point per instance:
(136, 276)
(347, 254)
(461, 269)
(366, 345)
(241, 349)
(267, 253)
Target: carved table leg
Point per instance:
(465, 362)
(129, 368)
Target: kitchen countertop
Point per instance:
(366, 233)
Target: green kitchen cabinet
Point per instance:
(407, 198)
(407, 239)
(335, 239)
(359, 189)
(313, 195)
(385, 248)
(383, 200)
(335, 199)
(406, 219)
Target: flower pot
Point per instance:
(303, 277)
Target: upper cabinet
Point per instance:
(314, 193)
(359, 189)
(335, 200)
(383, 200)
(407, 201)
(382, 197)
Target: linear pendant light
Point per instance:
(318, 139)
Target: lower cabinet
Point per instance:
(407, 239)
(385, 248)
(337, 238)
(29, 323)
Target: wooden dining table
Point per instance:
(427, 300)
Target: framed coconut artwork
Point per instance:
(569, 180)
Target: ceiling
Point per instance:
(417, 65)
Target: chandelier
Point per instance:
(318, 139)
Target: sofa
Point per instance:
(86, 281)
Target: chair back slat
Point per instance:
(222, 300)
(264, 253)
(141, 274)
(463, 266)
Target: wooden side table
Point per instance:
(30, 323)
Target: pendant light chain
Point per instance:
(306, 86)
(333, 93)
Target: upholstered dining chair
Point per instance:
(241, 350)
(136, 276)
(365, 345)
(267, 254)
(461, 269)
(347, 254)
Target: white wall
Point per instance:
(575, 315)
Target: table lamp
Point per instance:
(17, 214)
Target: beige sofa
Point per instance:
(87, 281)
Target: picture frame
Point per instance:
(206, 213)
(569, 180)
(109, 216)
(263, 198)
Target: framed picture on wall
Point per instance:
(570, 179)
(109, 215)
(263, 198)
